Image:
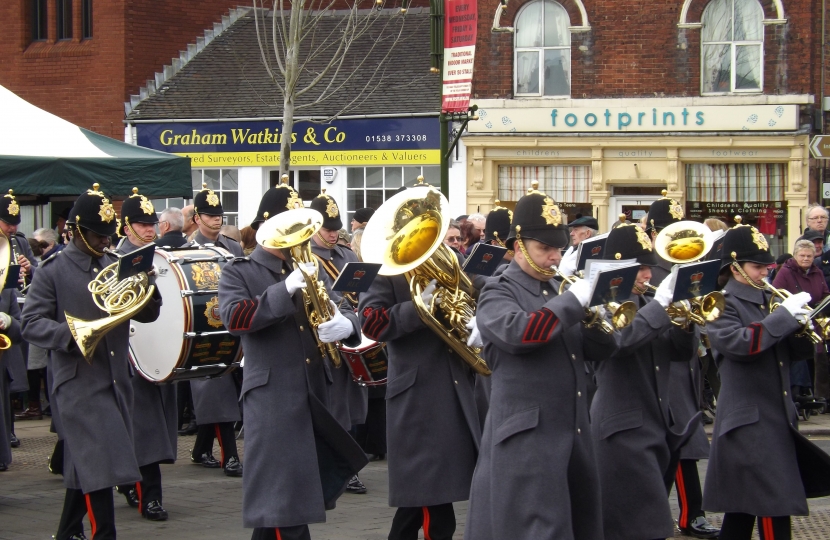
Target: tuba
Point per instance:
(121, 299)
(406, 235)
(685, 242)
(292, 230)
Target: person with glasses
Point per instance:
(817, 217)
(453, 237)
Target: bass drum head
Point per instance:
(156, 348)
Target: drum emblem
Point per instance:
(206, 275)
(212, 312)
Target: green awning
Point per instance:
(41, 154)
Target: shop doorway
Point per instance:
(306, 182)
(633, 206)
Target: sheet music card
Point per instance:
(356, 277)
(590, 249)
(484, 259)
(612, 281)
(135, 262)
(695, 279)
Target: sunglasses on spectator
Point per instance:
(454, 239)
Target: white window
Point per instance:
(225, 182)
(542, 50)
(732, 48)
(369, 187)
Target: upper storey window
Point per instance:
(543, 50)
(732, 47)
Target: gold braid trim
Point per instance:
(547, 273)
(81, 234)
(138, 236)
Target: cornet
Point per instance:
(621, 314)
(698, 310)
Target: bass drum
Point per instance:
(188, 340)
(367, 362)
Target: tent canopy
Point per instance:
(41, 154)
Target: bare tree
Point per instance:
(308, 52)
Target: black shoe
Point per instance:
(376, 457)
(355, 485)
(189, 429)
(700, 528)
(154, 511)
(130, 494)
(233, 467)
(3, 467)
(14, 441)
(206, 460)
(79, 536)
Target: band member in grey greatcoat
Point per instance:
(95, 397)
(536, 475)
(637, 437)
(298, 459)
(215, 401)
(10, 327)
(155, 416)
(350, 401)
(759, 466)
(432, 424)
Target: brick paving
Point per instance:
(204, 504)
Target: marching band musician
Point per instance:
(10, 327)
(155, 414)
(753, 469)
(684, 396)
(349, 400)
(95, 397)
(299, 459)
(215, 400)
(536, 475)
(636, 437)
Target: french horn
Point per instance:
(406, 236)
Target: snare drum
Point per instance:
(367, 362)
(188, 340)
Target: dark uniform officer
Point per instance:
(432, 424)
(154, 419)
(10, 316)
(684, 395)
(536, 475)
(95, 397)
(636, 435)
(757, 465)
(298, 458)
(349, 400)
(215, 400)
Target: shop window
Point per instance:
(732, 50)
(542, 50)
(64, 14)
(568, 185)
(305, 182)
(86, 19)
(225, 182)
(369, 187)
(39, 20)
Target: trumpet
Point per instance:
(779, 295)
(698, 310)
(621, 314)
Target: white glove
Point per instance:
(296, 279)
(665, 292)
(339, 327)
(795, 304)
(582, 290)
(475, 336)
(426, 296)
(567, 266)
(5, 321)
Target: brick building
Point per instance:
(608, 102)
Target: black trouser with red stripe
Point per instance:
(149, 489)
(97, 504)
(738, 526)
(300, 532)
(437, 521)
(222, 431)
(689, 495)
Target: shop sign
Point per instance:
(651, 118)
(634, 153)
(460, 23)
(735, 153)
(820, 147)
(538, 153)
(726, 211)
(374, 141)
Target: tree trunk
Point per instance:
(292, 76)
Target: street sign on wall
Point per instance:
(460, 24)
(820, 147)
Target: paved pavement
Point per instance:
(206, 505)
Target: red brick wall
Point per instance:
(635, 49)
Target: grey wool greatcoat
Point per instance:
(298, 459)
(752, 465)
(349, 400)
(14, 359)
(216, 400)
(155, 414)
(636, 436)
(432, 426)
(8, 305)
(95, 399)
(536, 477)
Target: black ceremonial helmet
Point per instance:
(207, 202)
(497, 226)
(326, 205)
(9, 209)
(276, 201)
(93, 211)
(137, 209)
(744, 243)
(537, 217)
(662, 212)
(629, 241)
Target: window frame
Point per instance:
(40, 20)
(733, 49)
(221, 192)
(86, 19)
(541, 55)
(388, 190)
(63, 12)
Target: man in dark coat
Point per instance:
(10, 327)
(94, 395)
(349, 400)
(170, 226)
(154, 420)
(536, 475)
(298, 458)
(636, 435)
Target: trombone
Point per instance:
(621, 314)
